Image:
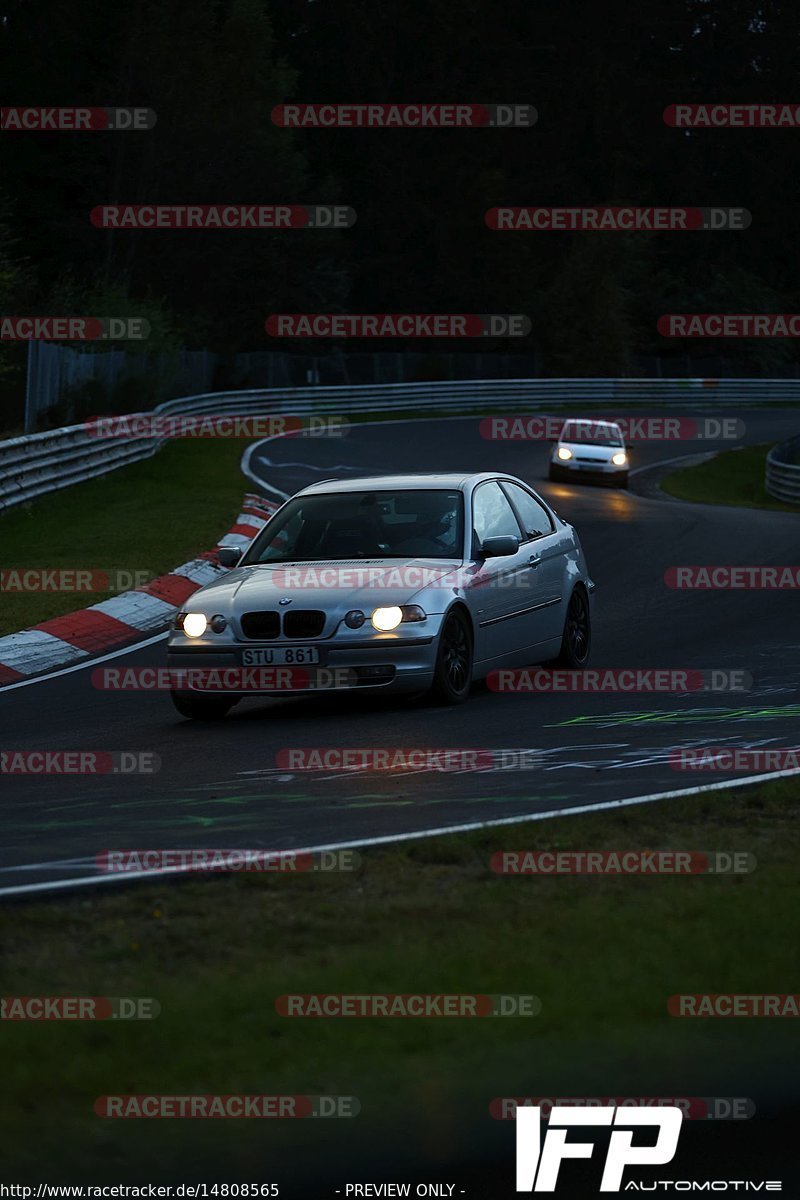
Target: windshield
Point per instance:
(591, 433)
(338, 526)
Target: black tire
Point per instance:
(453, 675)
(621, 481)
(576, 642)
(201, 708)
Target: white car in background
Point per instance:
(592, 450)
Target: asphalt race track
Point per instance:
(219, 785)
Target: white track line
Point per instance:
(249, 474)
(391, 839)
(667, 462)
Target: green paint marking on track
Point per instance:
(66, 804)
(458, 800)
(378, 804)
(214, 800)
(694, 716)
(233, 800)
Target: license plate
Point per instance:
(294, 656)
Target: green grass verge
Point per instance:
(602, 953)
(732, 477)
(150, 516)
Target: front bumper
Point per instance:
(385, 664)
(594, 470)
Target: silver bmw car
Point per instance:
(394, 583)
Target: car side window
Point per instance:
(535, 518)
(492, 515)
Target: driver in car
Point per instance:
(434, 529)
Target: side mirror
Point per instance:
(229, 555)
(499, 547)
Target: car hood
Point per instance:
(334, 587)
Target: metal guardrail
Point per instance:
(39, 463)
(477, 393)
(782, 471)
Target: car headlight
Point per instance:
(620, 459)
(194, 625)
(564, 453)
(385, 619)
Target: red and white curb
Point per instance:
(65, 640)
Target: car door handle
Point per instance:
(534, 560)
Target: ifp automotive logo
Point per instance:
(538, 1163)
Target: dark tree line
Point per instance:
(600, 75)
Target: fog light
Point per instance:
(564, 453)
(194, 625)
(355, 618)
(385, 619)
